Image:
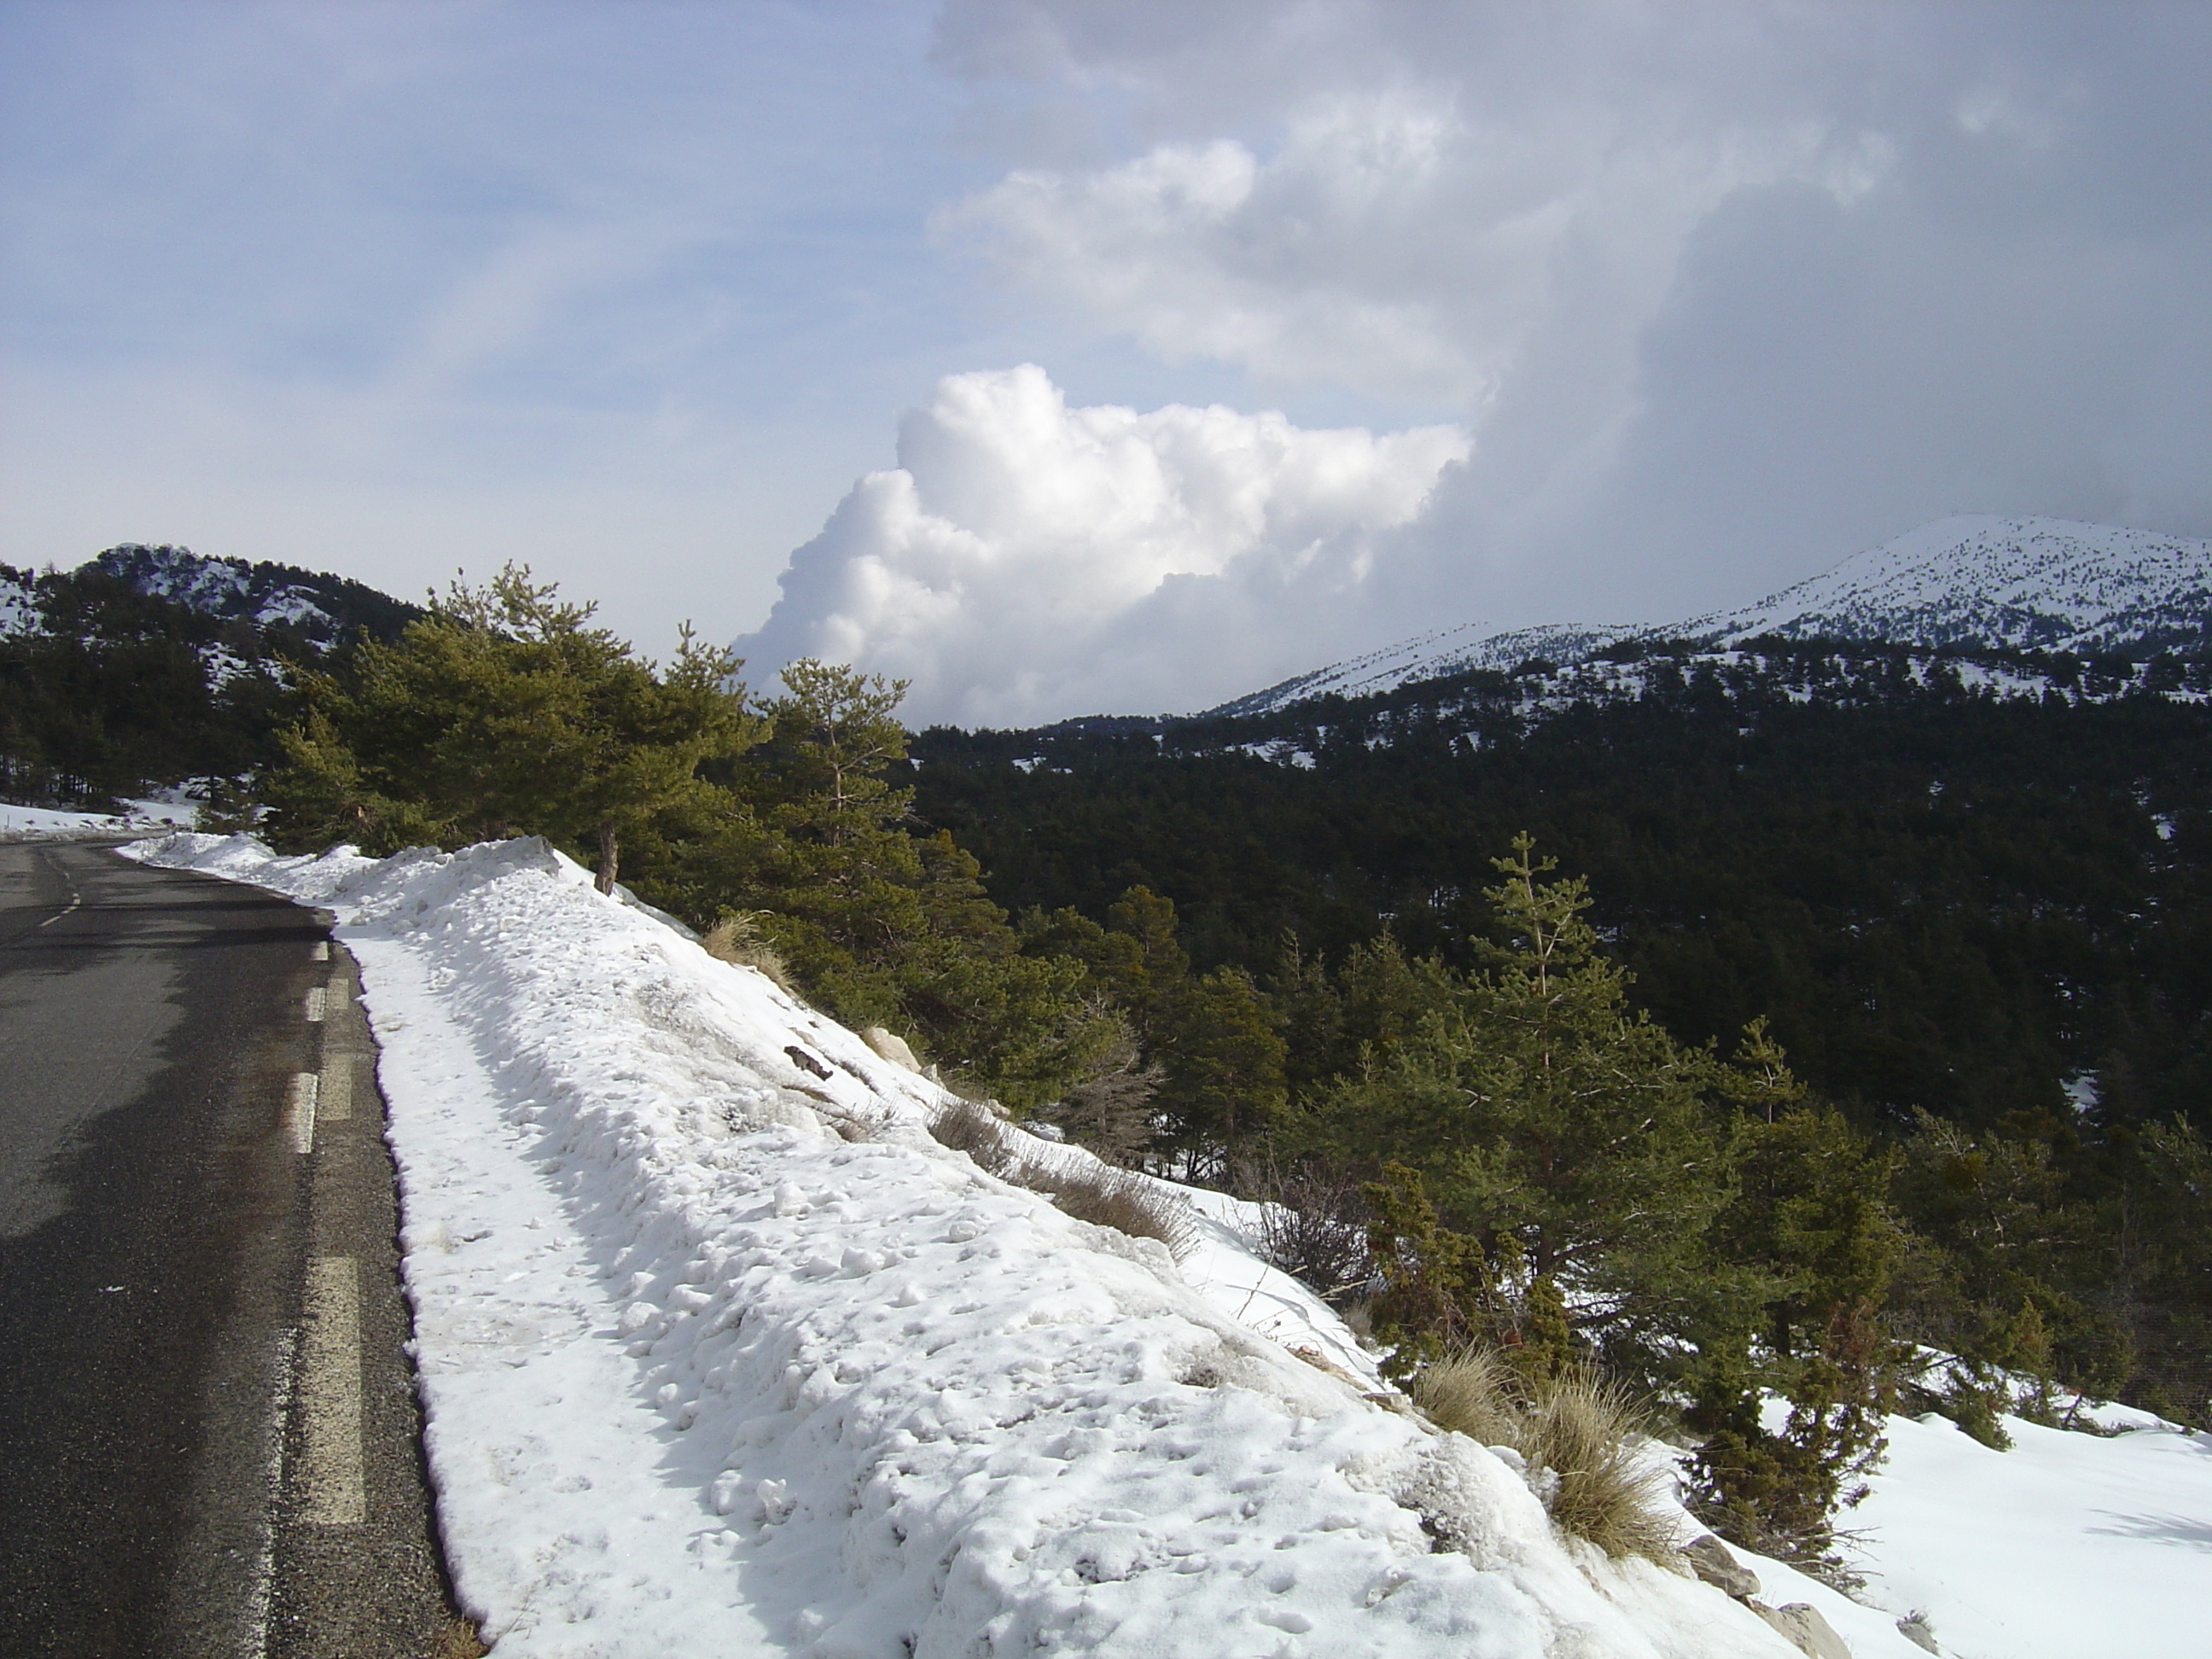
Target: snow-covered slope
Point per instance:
(2017, 583)
(19, 606)
(218, 588)
(722, 1353)
(1448, 651)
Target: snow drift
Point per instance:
(720, 1352)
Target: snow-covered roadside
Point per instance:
(722, 1353)
(46, 824)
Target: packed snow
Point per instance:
(2067, 1546)
(722, 1352)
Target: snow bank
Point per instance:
(46, 823)
(2067, 1546)
(720, 1352)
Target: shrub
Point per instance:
(971, 1126)
(1573, 1430)
(1118, 1199)
(736, 938)
(1096, 1192)
(1314, 1227)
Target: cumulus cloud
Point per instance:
(1027, 561)
(1722, 292)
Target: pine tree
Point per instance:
(502, 711)
(1540, 1110)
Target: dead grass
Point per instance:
(1575, 1432)
(737, 938)
(458, 1639)
(1475, 1392)
(971, 1127)
(1098, 1194)
(1117, 1199)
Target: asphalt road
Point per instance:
(208, 1437)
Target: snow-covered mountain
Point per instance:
(2023, 583)
(266, 595)
(1969, 580)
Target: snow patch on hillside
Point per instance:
(19, 607)
(2020, 583)
(720, 1352)
(2036, 583)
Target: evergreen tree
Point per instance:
(1542, 1111)
(503, 711)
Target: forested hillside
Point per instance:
(1969, 898)
(150, 666)
(1941, 897)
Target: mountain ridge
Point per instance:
(1968, 579)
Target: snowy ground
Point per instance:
(2067, 1546)
(41, 824)
(721, 1354)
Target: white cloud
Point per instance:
(1027, 561)
(1722, 292)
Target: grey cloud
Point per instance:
(1799, 276)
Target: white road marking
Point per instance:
(322, 950)
(318, 1001)
(76, 897)
(334, 1099)
(262, 1573)
(332, 1493)
(300, 1112)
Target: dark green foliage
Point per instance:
(1549, 1119)
(1953, 910)
(1439, 1294)
(111, 689)
(502, 711)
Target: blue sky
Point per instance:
(1342, 319)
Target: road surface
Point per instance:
(209, 1445)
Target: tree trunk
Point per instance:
(610, 859)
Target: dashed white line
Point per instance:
(261, 1571)
(334, 1099)
(318, 1001)
(322, 950)
(332, 1493)
(300, 1112)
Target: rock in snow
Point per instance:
(721, 1356)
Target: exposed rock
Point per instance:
(1710, 1560)
(1915, 1628)
(890, 1045)
(1808, 1632)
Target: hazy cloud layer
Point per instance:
(1723, 293)
(1713, 294)
(1026, 559)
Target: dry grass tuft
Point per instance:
(737, 938)
(1475, 1392)
(971, 1127)
(1094, 1193)
(1574, 1431)
(458, 1639)
(1117, 1199)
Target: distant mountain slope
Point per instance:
(1971, 580)
(2028, 584)
(1448, 651)
(324, 608)
(148, 666)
